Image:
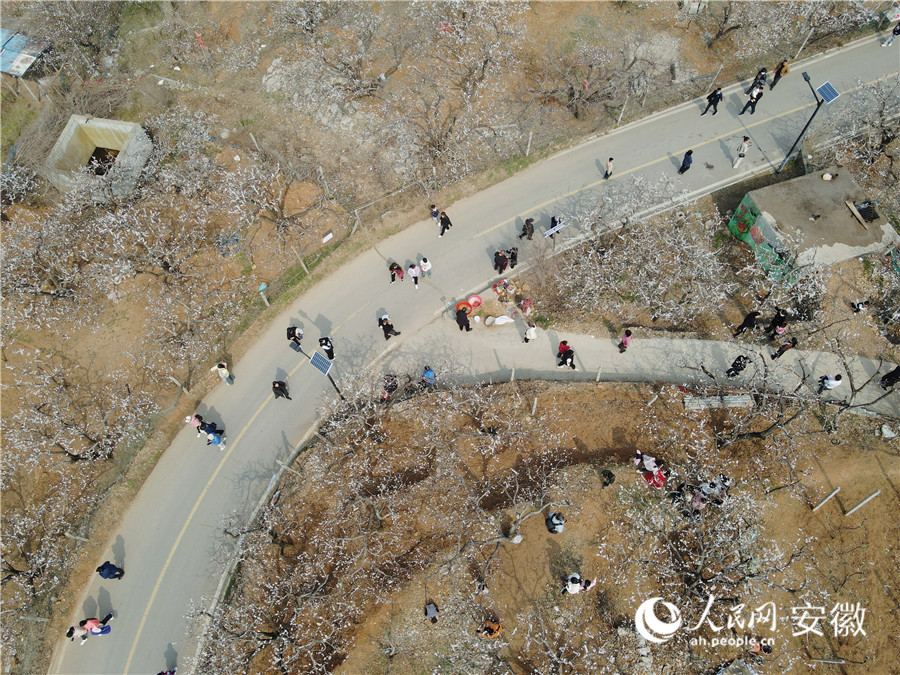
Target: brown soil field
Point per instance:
(851, 559)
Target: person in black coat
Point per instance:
(749, 323)
(445, 224)
(891, 378)
(462, 319)
(528, 229)
(280, 390)
(500, 261)
(739, 364)
(327, 346)
(295, 334)
(513, 255)
(387, 327)
(712, 101)
(755, 95)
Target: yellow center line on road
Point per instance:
(302, 363)
(191, 517)
(657, 161)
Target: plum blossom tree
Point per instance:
(666, 266)
(370, 510)
(758, 28)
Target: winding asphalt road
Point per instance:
(170, 540)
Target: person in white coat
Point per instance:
(742, 152)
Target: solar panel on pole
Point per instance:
(827, 92)
(320, 363)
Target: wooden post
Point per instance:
(864, 502)
(512, 375)
(599, 370)
(528, 148)
(804, 44)
(830, 495)
(534, 406)
(624, 105)
(715, 77)
(287, 468)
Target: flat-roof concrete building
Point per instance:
(819, 219)
(114, 149)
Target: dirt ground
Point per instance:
(855, 558)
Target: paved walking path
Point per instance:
(491, 354)
(170, 540)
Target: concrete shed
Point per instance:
(117, 150)
(811, 221)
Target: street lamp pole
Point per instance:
(819, 103)
(328, 375)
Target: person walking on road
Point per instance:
(567, 358)
(97, 626)
(513, 255)
(893, 36)
(528, 229)
(327, 346)
(79, 632)
(195, 421)
(712, 101)
(784, 347)
(563, 347)
(210, 428)
(396, 271)
(280, 390)
(555, 222)
(749, 323)
(388, 328)
(609, 168)
(741, 152)
(686, 162)
(762, 75)
(739, 364)
(435, 214)
(781, 70)
(414, 271)
(755, 95)
(462, 319)
(109, 571)
(222, 369)
(829, 382)
(500, 261)
(215, 438)
(295, 334)
(626, 342)
(90, 627)
(445, 224)
(530, 333)
(425, 265)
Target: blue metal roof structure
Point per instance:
(19, 52)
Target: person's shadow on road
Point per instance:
(676, 162)
(104, 603)
(171, 657)
(118, 550)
